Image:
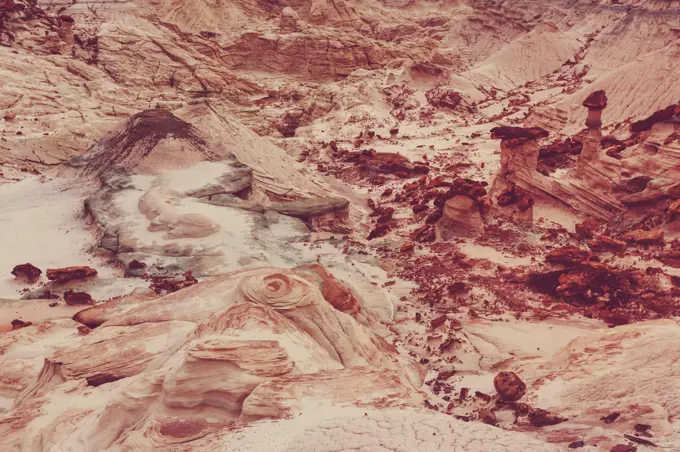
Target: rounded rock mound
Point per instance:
(150, 141)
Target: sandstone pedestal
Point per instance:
(461, 218)
(595, 103)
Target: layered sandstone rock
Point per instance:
(278, 341)
(461, 218)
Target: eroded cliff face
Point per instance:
(322, 224)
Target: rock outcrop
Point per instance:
(294, 214)
(461, 218)
(189, 358)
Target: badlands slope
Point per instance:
(325, 225)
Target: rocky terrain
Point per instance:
(339, 225)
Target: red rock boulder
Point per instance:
(16, 324)
(27, 271)
(72, 298)
(605, 243)
(652, 237)
(509, 386)
(63, 275)
(568, 255)
(596, 100)
(506, 132)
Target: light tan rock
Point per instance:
(461, 218)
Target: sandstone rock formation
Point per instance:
(588, 187)
(305, 236)
(181, 359)
(461, 218)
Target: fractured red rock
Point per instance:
(439, 321)
(605, 243)
(487, 416)
(443, 98)
(588, 228)
(63, 275)
(407, 247)
(161, 284)
(651, 237)
(27, 271)
(72, 298)
(424, 234)
(509, 386)
(83, 330)
(370, 163)
(639, 440)
(17, 324)
(380, 230)
(659, 116)
(568, 255)
(543, 418)
(611, 417)
(514, 195)
(597, 100)
(623, 448)
(507, 132)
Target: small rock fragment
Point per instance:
(587, 228)
(380, 230)
(83, 330)
(447, 344)
(643, 429)
(623, 448)
(642, 441)
(407, 247)
(487, 416)
(608, 419)
(135, 269)
(160, 284)
(567, 255)
(439, 321)
(72, 298)
(543, 418)
(16, 324)
(605, 243)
